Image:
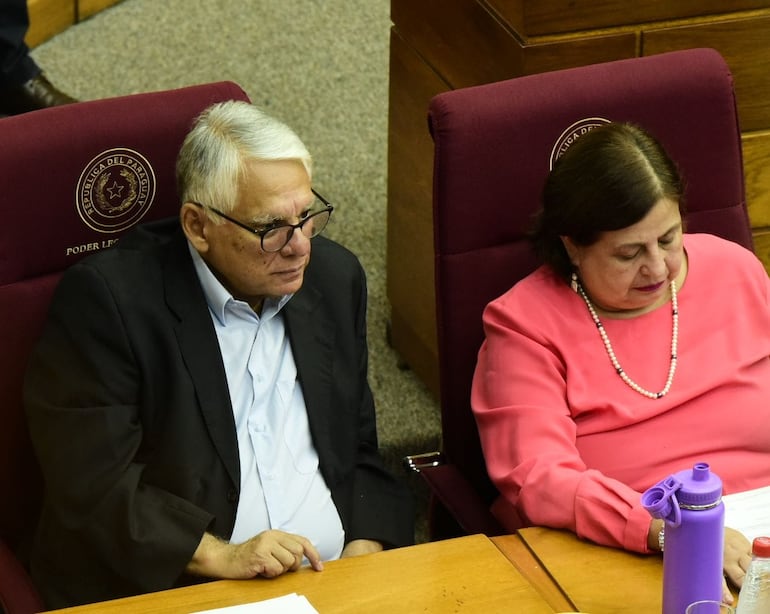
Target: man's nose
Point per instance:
(298, 243)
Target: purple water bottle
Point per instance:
(690, 503)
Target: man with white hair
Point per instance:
(198, 400)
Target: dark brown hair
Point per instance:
(608, 179)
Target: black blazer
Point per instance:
(130, 416)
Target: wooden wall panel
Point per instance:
(762, 246)
(756, 167)
(460, 40)
(468, 45)
(574, 52)
(542, 17)
(47, 18)
(410, 214)
(744, 43)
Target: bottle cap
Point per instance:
(695, 488)
(761, 547)
(699, 486)
(660, 500)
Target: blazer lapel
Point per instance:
(311, 335)
(199, 347)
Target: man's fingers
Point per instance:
(314, 558)
(285, 552)
(309, 551)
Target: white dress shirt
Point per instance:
(281, 482)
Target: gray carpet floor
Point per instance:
(322, 67)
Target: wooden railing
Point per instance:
(49, 17)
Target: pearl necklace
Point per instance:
(611, 353)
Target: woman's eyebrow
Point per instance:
(640, 244)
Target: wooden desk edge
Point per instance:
(528, 565)
(227, 593)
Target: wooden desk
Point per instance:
(467, 574)
(576, 575)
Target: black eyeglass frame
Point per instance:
(328, 208)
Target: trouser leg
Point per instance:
(16, 65)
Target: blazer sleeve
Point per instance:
(82, 397)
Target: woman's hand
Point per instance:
(737, 557)
(653, 542)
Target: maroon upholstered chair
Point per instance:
(73, 179)
(493, 147)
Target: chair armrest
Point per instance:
(455, 492)
(417, 462)
(17, 593)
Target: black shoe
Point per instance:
(37, 93)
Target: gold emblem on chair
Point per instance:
(115, 190)
(571, 134)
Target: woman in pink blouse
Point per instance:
(634, 352)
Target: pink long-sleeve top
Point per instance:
(570, 445)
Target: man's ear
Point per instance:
(195, 226)
(573, 251)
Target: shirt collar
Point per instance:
(220, 300)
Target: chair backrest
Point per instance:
(73, 179)
(493, 149)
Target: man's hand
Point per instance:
(360, 546)
(269, 554)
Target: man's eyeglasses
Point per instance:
(274, 238)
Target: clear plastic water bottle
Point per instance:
(690, 503)
(754, 597)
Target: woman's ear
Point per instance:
(195, 225)
(573, 251)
